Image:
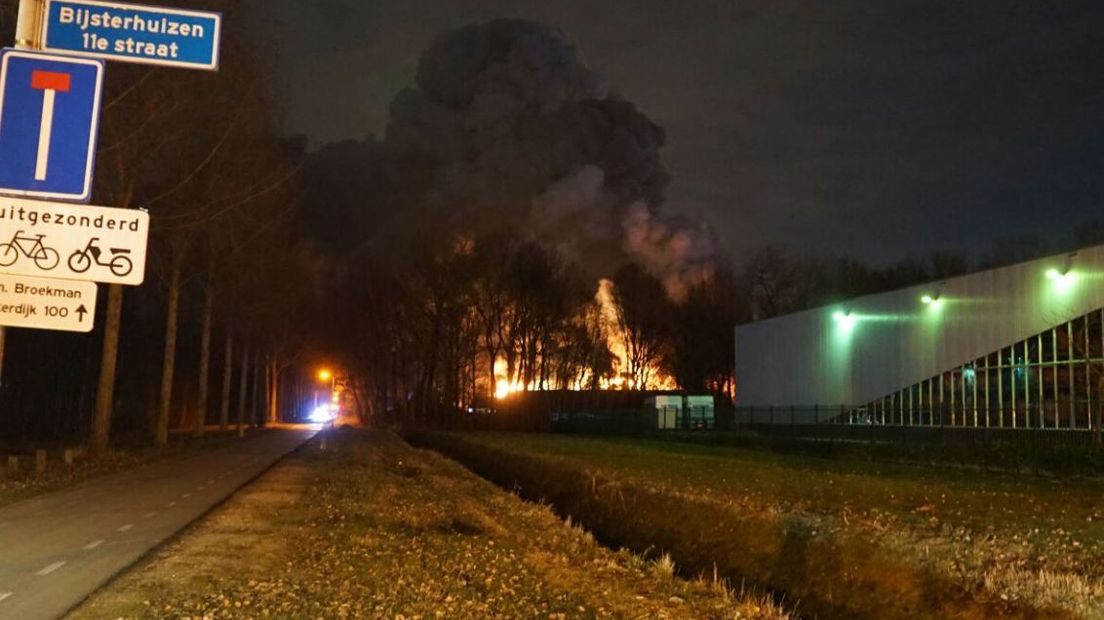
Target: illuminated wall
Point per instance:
(857, 352)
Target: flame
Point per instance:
(611, 327)
(506, 385)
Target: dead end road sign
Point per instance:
(73, 242)
(35, 303)
(49, 122)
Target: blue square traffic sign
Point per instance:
(49, 121)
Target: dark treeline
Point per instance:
(224, 297)
(447, 324)
(452, 325)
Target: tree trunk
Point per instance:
(105, 391)
(254, 393)
(168, 364)
(227, 375)
(243, 383)
(273, 392)
(205, 359)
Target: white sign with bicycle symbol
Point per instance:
(73, 242)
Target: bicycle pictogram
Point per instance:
(82, 260)
(31, 247)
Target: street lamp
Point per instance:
(325, 414)
(326, 375)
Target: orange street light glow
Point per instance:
(325, 375)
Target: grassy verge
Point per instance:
(27, 483)
(848, 539)
(371, 528)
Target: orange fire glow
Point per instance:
(506, 385)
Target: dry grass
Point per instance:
(374, 529)
(853, 539)
(1083, 595)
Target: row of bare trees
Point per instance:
(202, 153)
(434, 331)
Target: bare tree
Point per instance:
(643, 315)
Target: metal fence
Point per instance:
(1052, 380)
(636, 420)
(1016, 439)
(839, 423)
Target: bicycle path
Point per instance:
(57, 549)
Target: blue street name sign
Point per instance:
(134, 33)
(49, 121)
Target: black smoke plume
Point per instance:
(507, 126)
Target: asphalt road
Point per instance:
(57, 549)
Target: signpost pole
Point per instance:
(28, 35)
(28, 30)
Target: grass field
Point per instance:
(371, 528)
(848, 538)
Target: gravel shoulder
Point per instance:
(371, 528)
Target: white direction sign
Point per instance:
(73, 242)
(35, 303)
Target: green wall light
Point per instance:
(844, 319)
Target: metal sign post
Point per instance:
(29, 26)
(26, 37)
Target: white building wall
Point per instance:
(811, 358)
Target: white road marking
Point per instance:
(199, 489)
(209, 482)
(125, 527)
(185, 496)
(49, 569)
(92, 545)
(150, 515)
(4, 595)
(171, 504)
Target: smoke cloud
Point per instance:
(511, 128)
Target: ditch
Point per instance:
(815, 574)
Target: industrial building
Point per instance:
(1015, 347)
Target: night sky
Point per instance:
(874, 128)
